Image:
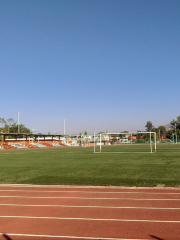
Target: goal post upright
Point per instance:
(150, 142)
(94, 143)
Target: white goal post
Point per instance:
(125, 142)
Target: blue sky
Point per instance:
(105, 65)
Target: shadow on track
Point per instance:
(156, 237)
(6, 237)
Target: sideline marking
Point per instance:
(69, 206)
(88, 187)
(67, 191)
(94, 219)
(74, 237)
(75, 152)
(134, 199)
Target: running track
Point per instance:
(93, 213)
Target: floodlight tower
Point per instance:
(18, 119)
(64, 125)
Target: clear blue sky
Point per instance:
(105, 65)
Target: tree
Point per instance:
(10, 122)
(10, 126)
(169, 134)
(3, 121)
(149, 126)
(176, 126)
(162, 129)
(177, 122)
(14, 128)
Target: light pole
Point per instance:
(18, 119)
(64, 125)
(64, 130)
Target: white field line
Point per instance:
(124, 152)
(87, 187)
(66, 191)
(93, 219)
(106, 207)
(86, 198)
(72, 237)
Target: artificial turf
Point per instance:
(80, 166)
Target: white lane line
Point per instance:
(132, 199)
(93, 219)
(106, 207)
(72, 237)
(66, 191)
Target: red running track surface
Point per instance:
(66, 212)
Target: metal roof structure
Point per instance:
(28, 135)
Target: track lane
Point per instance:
(91, 202)
(91, 228)
(85, 194)
(96, 213)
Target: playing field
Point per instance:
(80, 166)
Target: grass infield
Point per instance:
(80, 166)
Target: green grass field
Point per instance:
(80, 166)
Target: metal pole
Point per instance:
(100, 142)
(155, 140)
(150, 143)
(64, 130)
(64, 124)
(18, 119)
(94, 142)
(18, 123)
